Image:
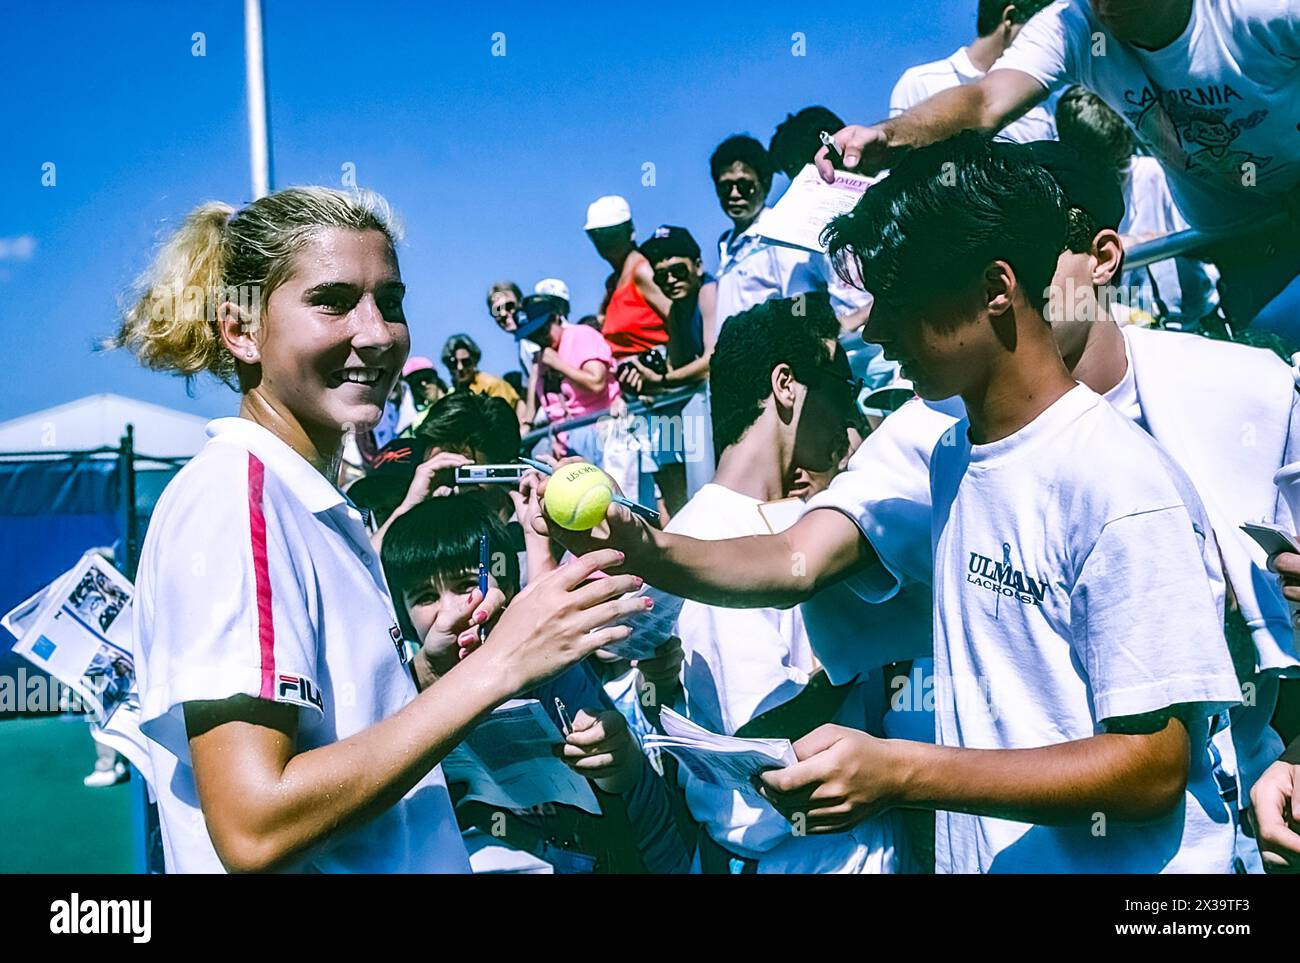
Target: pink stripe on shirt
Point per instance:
(261, 575)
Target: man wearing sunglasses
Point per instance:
(681, 438)
(751, 268)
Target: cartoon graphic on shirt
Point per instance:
(1193, 129)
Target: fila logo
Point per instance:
(300, 691)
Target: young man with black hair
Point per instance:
(782, 398)
(1069, 699)
(867, 538)
(751, 268)
(997, 22)
(680, 434)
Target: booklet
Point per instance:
(809, 204)
(650, 629)
(728, 762)
(508, 760)
(79, 630)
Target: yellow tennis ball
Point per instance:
(577, 496)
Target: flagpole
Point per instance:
(259, 143)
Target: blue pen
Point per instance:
(484, 551)
(541, 466)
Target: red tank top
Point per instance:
(631, 325)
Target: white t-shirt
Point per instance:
(1186, 286)
(1217, 107)
(886, 493)
(752, 269)
(925, 80)
(738, 664)
(1075, 578)
(257, 577)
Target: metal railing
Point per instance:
(634, 407)
(1193, 243)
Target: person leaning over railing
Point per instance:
(677, 432)
(574, 376)
(1208, 87)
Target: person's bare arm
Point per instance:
(529, 414)
(709, 315)
(696, 369)
(643, 276)
(592, 376)
(265, 803)
(757, 571)
(845, 775)
(995, 100)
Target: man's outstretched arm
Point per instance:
(999, 98)
(757, 571)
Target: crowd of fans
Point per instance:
(739, 402)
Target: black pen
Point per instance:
(837, 159)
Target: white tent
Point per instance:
(99, 421)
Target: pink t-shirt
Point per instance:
(579, 344)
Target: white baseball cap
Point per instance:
(607, 211)
(552, 286)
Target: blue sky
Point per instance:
(489, 161)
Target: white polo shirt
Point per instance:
(752, 269)
(257, 577)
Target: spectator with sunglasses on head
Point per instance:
(504, 302)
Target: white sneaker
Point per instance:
(106, 777)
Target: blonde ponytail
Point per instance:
(172, 324)
(219, 255)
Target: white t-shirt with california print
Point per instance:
(1218, 106)
(1075, 582)
(257, 578)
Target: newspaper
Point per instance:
(808, 205)
(79, 630)
(728, 762)
(508, 760)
